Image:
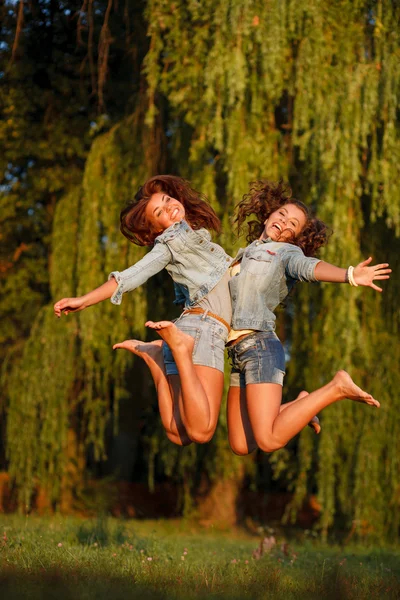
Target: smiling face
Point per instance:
(284, 224)
(162, 211)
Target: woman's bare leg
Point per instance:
(314, 423)
(240, 432)
(273, 429)
(167, 387)
(201, 386)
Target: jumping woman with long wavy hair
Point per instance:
(188, 370)
(284, 237)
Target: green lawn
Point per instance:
(109, 559)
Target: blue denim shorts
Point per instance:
(257, 358)
(210, 337)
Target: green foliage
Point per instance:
(309, 91)
(88, 379)
(224, 92)
(44, 141)
(44, 380)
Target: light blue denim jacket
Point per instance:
(264, 282)
(194, 262)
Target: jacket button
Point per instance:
(201, 241)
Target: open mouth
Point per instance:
(277, 227)
(174, 213)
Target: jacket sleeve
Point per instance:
(298, 266)
(153, 262)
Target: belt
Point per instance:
(239, 339)
(201, 311)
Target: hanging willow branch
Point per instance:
(102, 63)
(87, 12)
(18, 30)
(99, 77)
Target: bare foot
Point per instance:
(314, 423)
(176, 339)
(151, 352)
(348, 389)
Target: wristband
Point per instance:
(350, 277)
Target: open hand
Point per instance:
(67, 305)
(365, 275)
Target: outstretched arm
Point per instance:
(67, 305)
(363, 274)
(153, 262)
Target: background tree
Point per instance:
(222, 93)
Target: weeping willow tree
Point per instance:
(72, 384)
(307, 91)
(234, 91)
(71, 379)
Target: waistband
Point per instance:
(256, 334)
(239, 339)
(201, 311)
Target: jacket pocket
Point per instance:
(259, 263)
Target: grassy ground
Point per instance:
(111, 559)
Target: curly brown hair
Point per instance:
(264, 198)
(198, 212)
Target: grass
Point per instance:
(110, 559)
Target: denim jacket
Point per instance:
(265, 280)
(194, 262)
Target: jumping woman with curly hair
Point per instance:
(284, 238)
(188, 370)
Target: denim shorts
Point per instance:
(257, 358)
(210, 338)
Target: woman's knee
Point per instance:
(270, 444)
(200, 437)
(203, 435)
(240, 449)
(240, 444)
(178, 440)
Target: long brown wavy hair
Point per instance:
(198, 212)
(264, 198)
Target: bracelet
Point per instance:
(350, 277)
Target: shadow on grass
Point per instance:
(75, 584)
(72, 586)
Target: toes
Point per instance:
(315, 425)
(119, 345)
(158, 324)
(154, 325)
(126, 345)
(371, 401)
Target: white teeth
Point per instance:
(279, 228)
